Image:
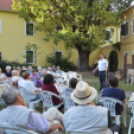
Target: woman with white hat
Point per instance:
(86, 117)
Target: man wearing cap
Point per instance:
(86, 117)
(102, 67)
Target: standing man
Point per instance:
(102, 67)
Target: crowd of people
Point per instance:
(85, 117)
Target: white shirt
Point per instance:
(102, 64)
(88, 119)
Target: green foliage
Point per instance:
(63, 62)
(4, 63)
(37, 51)
(113, 61)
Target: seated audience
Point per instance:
(115, 92)
(26, 83)
(53, 68)
(17, 115)
(40, 72)
(59, 71)
(15, 80)
(19, 69)
(49, 70)
(8, 71)
(15, 73)
(14, 68)
(30, 69)
(49, 86)
(86, 117)
(2, 75)
(72, 84)
(24, 68)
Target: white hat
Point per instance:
(83, 94)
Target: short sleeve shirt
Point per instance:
(102, 64)
(116, 93)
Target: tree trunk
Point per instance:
(83, 60)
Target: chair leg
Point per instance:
(130, 126)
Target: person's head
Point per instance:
(83, 94)
(15, 80)
(53, 67)
(49, 69)
(22, 72)
(24, 68)
(101, 56)
(15, 73)
(0, 70)
(48, 79)
(12, 97)
(30, 68)
(18, 68)
(33, 71)
(72, 83)
(8, 68)
(14, 67)
(58, 67)
(39, 68)
(26, 75)
(113, 82)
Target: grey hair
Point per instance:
(8, 67)
(29, 67)
(39, 67)
(49, 68)
(10, 95)
(14, 72)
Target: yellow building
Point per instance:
(14, 36)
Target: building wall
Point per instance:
(13, 41)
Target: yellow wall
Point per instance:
(13, 41)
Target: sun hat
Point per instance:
(83, 94)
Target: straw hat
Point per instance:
(83, 94)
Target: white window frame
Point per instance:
(0, 26)
(33, 56)
(59, 51)
(110, 39)
(128, 29)
(33, 28)
(126, 52)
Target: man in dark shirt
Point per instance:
(115, 92)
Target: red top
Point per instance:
(52, 88)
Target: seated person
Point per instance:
(59, 71)
(2, 76)
(36, 81)
(53, 68)
(17, 115)
(49, 86)
(72, 84)
(15, 80)
(86, 117)
(30, 69)
(40, 72)
(15, 73)
(115, 92)
(8, 71)
(26, 83)
(19, 69)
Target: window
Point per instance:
(29, 29)
(0, 26)
(29, 56)
(108, 35)
(125, 29)
(59, 54)
(58, 28)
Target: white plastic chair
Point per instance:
(25, 93)
(47, 99)
(85, 133)
(110, 104)
(130, 74)
(131, 124)
(68, 102)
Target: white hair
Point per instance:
(24, 68)
(8, 67)
(15, 79)
(39, 67)
(29, 67)
(14, 72)
(10, 95)
(49, 68)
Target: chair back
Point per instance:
(131, 105)
(110, 104)
(47, 98)
(26, 93)
(68, 102)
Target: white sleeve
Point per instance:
(30, 86)
(106, 63)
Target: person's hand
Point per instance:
(60, 127)
(106, 71)
(36, 91)
(93, 71)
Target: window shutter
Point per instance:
(123, 30)
(126, 28)
(0, 26)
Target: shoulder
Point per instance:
(120, 90)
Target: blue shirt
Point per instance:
(116, 93)
(68, 90)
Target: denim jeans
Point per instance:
(36, 98)
(102, 78)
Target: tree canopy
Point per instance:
(83, 21)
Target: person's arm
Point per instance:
(125, 101)
(106, 66)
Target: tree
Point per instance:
(83, 21)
